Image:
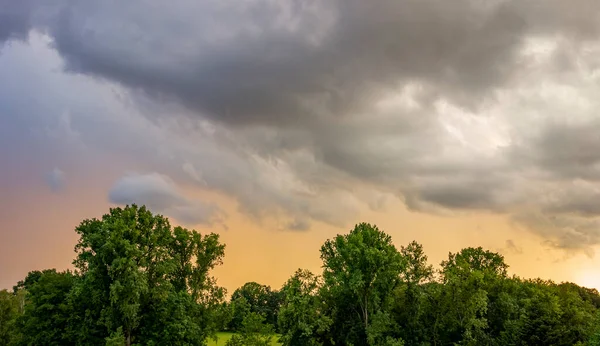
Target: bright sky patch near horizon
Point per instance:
(279, 124)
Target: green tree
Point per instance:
(380, 331)
(47, 312)
(505, 311)
(467, 276)
(410, 296)
(116, 338)
(360, 271)
(555, 314)
(578, 319)
(239, 309)
(258, 298)
(10, 309)
(178, 320)
(302, 320)
(142, 276)
(223, 314)
(470, 260)
(254, 331)
(594, 338)
(417, 270)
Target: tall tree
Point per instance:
(140, 276)
(360, 270)
(410, 296)
(467, 276)
(302, 320)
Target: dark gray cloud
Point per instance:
(275, 62)
(312, 110)
(579, 198)
(15, 19)
(468, 194)
(568, 149)
(55, 180)
(160, 194)
(561, 162)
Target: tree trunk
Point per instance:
(366, 319)
(366, 313)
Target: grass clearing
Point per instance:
(223, 337)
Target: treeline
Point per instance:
(139, 281)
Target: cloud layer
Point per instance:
(314, 110)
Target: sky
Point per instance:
(281, 123)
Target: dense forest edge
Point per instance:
(139, 281)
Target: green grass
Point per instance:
(223, 337)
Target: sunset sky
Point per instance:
(281, 123)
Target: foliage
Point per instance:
(46, 315)
(116, 338)
(301, 315)
(410, 297)
(465, 300)
(361, 270)
(471, 301)
(140, 281)
(221, 338)
(381, 331)
(254, 331)
(11, 307)
(257, 298)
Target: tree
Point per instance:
(380, 331)
(417, 271)
(257, 298)
(302, 320)
(178, 320)
(410, 296)
(578, 318)
(254, 331)
(240, 308)
(223, 314)
(47, 312)
(360, 270)
(144, 279)
(10, 309)
(467, 277)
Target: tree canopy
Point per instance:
(140, 281)
(253, 297)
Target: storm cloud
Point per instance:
(285, 63)
(310, 110)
